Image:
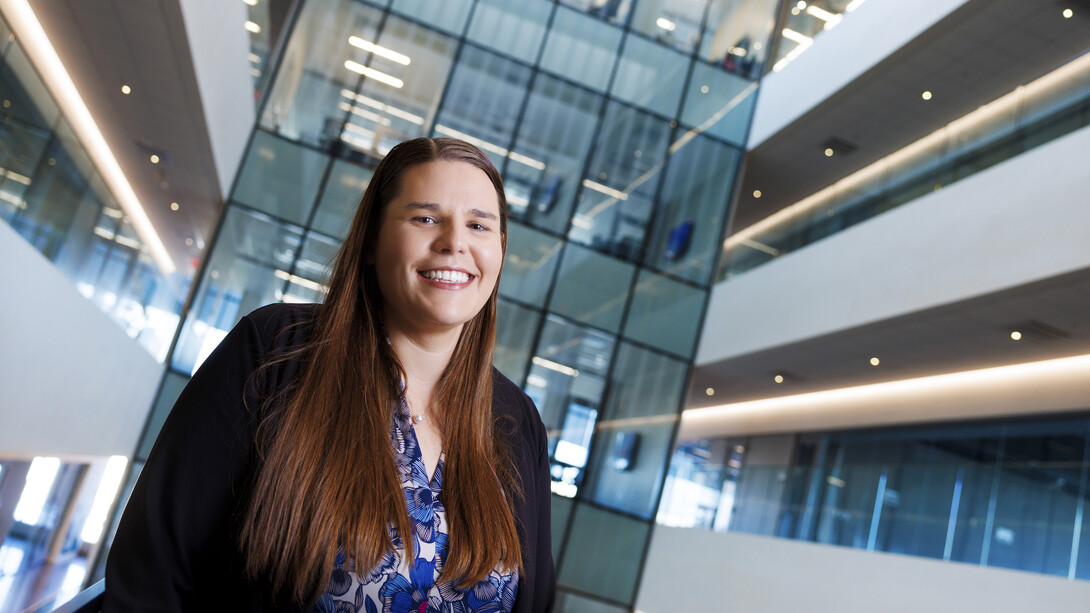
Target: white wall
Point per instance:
(218, 46)
(697, 570)
(71, 382)
(839, 56)
(1020, 221)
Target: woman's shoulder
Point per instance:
(271, 319)
(510, 401)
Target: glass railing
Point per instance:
(54, 197)
(1044, 110)
(805, 21)
(1005, 495)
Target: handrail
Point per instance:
(87, 601)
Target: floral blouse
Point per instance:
(394, 587)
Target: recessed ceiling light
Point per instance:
(709, 391)
(174, 206)
(704, 89)
(795, 10)
(125, 89)
(1016, 335)
(154, 159)
(778, 378)
(828, 152)
(801, 4)
(250, 2)
(253, 27)
(1068, 13)
(874, 362)
(926, 95)
(188, 242)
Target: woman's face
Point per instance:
(439, 252)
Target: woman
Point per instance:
(362, 454)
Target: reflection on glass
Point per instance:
(567, 375)
(482, 104)
(603, 554)
(591, 288)
(737, 33)
(1010, 495)
(634, 431)
(280, 177)
(618, 191)
(516, 29)
(515, 328)
(529, 264)
(581, 49)
(557, 129)
(449, 15)
(249, 267)
(665, 314)
(614, 11)
(672, 22)
(340, 196)
(650, 76)
(719, 103)
(685, 238)
(305, 101)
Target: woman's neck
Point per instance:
(424, 357)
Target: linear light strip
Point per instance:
(891, 164)
(29, 32)
(949, 385)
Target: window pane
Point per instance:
(516, 29)
(615, 203)
(603, 553)
(614, 11)
(25, 97)
(306, 102)
(309, 274)
(555, 135)
(280, 177)
(737, 34)
(247, 269)
(632, 440)
(581, 49)
(529, 265)
(342, 194)
(172, 387)
(1036, 501)
(592, 288)
(672, 22)
(719, 103)
(566, 381)
(483, 102)
(693, 207)
(665, 313)
(515, 329)
(449, 15)
(651, 76)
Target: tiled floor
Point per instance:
(36, 587)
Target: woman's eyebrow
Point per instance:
(423, 206)
(483, 214)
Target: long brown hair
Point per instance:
(327, 480)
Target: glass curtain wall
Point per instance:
(618, 129)
(1005, 494)
(52, 195)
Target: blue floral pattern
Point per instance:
(395, 586)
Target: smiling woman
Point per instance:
(361, 454)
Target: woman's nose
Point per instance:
(451, 239)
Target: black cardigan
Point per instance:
(176, 546)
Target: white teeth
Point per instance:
(448, 276)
